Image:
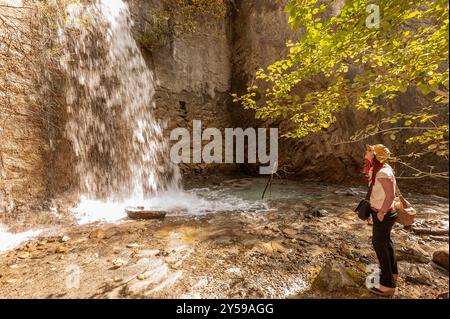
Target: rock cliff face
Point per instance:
(23, 158)
(24, 147)
(192, 70)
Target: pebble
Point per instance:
(141, 277)
(289, 232)
(61, 249)
(65, 239)
(134, 245)
(317, 212)
(11, 281)
(97, 234)
(24, 255)
(118, 262)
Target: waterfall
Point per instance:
(122, 157)
(119, 146)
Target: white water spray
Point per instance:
(119, 145)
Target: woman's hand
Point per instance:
(380, 215)
(388, 188)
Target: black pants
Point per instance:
(382, 243)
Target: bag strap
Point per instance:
(369, 192)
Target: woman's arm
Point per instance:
(388, 187)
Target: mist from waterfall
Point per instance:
(119, 146)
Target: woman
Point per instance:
(383, 215)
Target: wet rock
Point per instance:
(141, 277)
(272, 227)
(443, 295)
(430, 231)
(110, 232)
(52, 239)
(290, 232)
(350, 215)
(333, 277)
(65, 239)
(38, 256)
(178, 210)
(440, 238)
(344, 250)
(141, 213)
(364, 260)
(42, 243)
(317, 212)
(271, 247)
(418, 275)
(233, 270)
(300, 207)
(413, 254)
(97, 234)
(31, 246)
(148, 253)
(24, 255)
(348, 192)
(440, 257)
(133, 245)
(12, 281)
(305, 238)
(61, 249)
(118, 262)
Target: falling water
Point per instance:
(119, 145)
(122, 157)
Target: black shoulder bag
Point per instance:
(364, 208)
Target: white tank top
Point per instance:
(377, 197)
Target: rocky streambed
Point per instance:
(302, 241)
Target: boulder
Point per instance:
(440, 257)
(418, 275)
(413, 254)
(290, 232)
(97, 234)
(271, 247)
(142, 213)
(350, 215)
(333, 277)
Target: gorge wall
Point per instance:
(24, 119)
